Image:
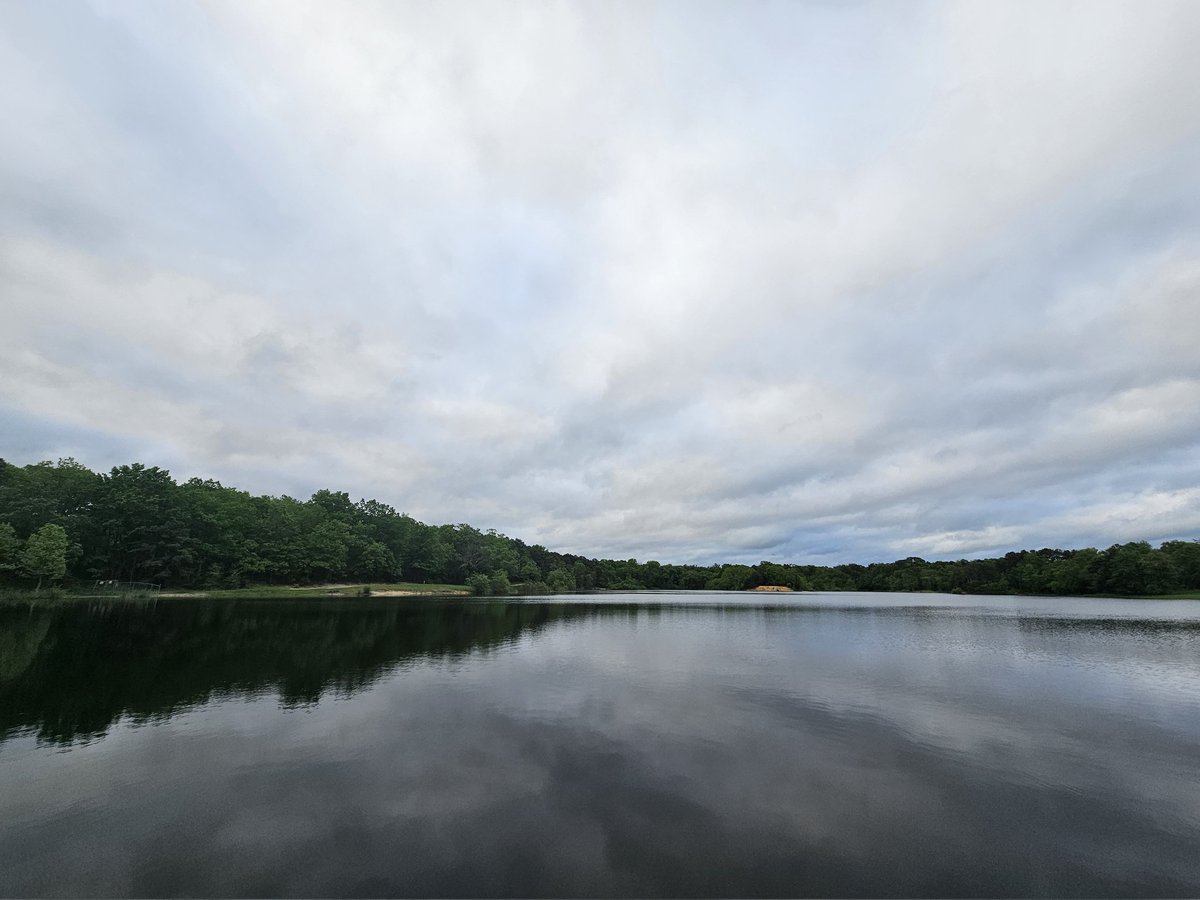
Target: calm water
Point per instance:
(699, 745)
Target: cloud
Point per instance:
(665, 281)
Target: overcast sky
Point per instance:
(690, 281)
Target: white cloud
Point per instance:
(653, 280)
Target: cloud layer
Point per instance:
(676, 281)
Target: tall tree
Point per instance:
(45, 554)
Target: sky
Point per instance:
(699, 281)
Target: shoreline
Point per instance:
(356, 592)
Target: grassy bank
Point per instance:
(264, 592)
(397, 589)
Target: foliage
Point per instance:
(10, 547)
(136, 524)
(45, 554)
(561, 580)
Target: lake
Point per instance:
(612, 745)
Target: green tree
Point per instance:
(500, 554)
(732, 578)
(143, 527)
(561, 581)
(1184, 557)
(327, 550)
(1133, 569)
(527, 571)
(337, 504)
(45, 554)
(424, 551)
(499, 585)
(1076, 573)
(375, 562)
(10, 548)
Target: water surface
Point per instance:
(616, 745)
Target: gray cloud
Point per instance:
(662, 281)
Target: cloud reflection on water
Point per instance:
(819, 752)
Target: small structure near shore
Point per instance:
(126, 588)
(773, 587)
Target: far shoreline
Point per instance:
(343, 591)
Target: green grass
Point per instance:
(62, 596)
(23, 594)
(421, 588)
(261, 592)
(274, 591)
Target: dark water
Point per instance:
(827, 745)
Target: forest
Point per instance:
(63, 524)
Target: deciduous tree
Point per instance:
(45, 554)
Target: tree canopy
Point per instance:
(61, 521)
(45, 554)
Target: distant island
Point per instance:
(61, 524)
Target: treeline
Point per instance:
(62, 522)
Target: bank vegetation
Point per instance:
(63, 525)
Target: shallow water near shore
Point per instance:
(699, 744)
